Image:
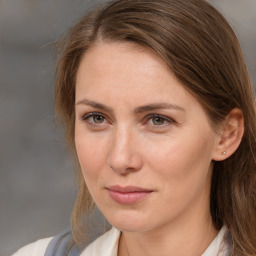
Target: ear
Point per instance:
(230, 136)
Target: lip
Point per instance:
(129, 194)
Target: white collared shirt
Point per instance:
(107, 245)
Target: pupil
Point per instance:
(98, 119)
(158, 120)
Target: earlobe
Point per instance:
(231, 135)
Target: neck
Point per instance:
(184, 237)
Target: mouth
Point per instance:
(129, 194)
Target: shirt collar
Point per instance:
(107, 245)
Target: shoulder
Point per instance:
(105, 245)
(37, 248)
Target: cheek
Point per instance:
(91, 155)
(182, 162)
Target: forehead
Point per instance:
(107, 54)
(128, 72)
(120, 60)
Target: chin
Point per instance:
(129, 222)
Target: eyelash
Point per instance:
(167, 121)
(86, 118)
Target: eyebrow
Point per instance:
(157, 106)
(94, 105)
(138, 110)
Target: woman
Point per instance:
(160, 114)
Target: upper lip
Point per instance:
(128, 189)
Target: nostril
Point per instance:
(125, 164)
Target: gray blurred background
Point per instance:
(37, 185)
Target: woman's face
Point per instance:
(144, 143)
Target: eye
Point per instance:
(98, 119)
(94, 119)
(159, 121)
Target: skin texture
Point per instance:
(167, 149)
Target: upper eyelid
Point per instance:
(86, 119)
(161, 116)
(84, 116)
(94, 113)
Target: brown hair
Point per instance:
(202, 50)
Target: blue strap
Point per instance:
(59, 245)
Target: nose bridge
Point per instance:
(124, 155)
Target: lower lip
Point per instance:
(129, 198)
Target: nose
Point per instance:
(124, 156)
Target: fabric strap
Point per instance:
(59, 245)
